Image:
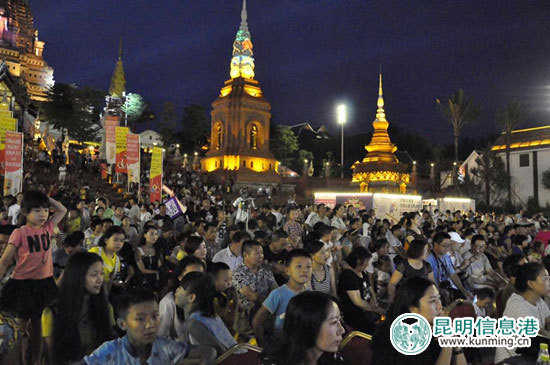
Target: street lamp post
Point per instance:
(341, 113)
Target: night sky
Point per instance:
(312, 55)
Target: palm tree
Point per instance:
(459, 110)
(509, 118)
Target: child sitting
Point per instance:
(483, 302)
(298, 268)
(138, 315)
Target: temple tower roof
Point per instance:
(118, 80)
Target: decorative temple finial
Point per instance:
(380, 114)
(120, 48)
(242, 63)
(244, 16)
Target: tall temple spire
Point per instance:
(380, 113)
(120, 48)
(118, 80)
(244, 16)
(242, 63)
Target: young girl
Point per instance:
(203, 327)
(148, 258)
(31, 287)
(111, 243)
(81, 318)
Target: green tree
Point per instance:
(490, 177)
(459, 110)
(134, 107)
(75, 111)
(284, 144)
(167, 123)
(196, 127)
(509, 118)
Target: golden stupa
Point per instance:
(380, 170)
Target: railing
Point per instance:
(236, 348)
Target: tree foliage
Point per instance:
(74, 110)
(459, 110)
(490, 177)
(167, 123)
(134, 107)
(196, 127)
(284, 144)
(509, 118)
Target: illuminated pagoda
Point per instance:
(239, 138)
(380, 170)
(21, 50)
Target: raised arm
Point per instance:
(60, 211)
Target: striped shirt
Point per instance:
(517, 307)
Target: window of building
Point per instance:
(524, 160)
(253, 137)
(251, 163)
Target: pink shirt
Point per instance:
(34, 253)
(542, 236)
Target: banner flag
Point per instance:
(120, 142)
(155, 176)
(7, 123)
(133, 157)
(13, 179)
(111, 122)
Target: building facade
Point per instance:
(529, 159)
(239, 139)
(21, 49)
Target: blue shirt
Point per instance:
(276, 304)
(120, 351)
(442, 267)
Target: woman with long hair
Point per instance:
(148, 258)
(195, 246)
(81, 318)
(311, 334)
(196, 296)
(416, 295)
(359, 306)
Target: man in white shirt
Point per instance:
(13, 210)
(231, 255)
(320, 216)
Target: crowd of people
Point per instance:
(88, 279)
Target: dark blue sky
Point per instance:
(312, 54)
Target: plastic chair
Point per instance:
(230, 357)
(356, 348)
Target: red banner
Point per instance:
(13, 180)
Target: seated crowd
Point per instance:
(98, 282)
